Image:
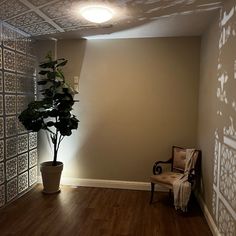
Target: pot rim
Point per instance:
(49, 163)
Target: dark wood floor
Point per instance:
(99, 212)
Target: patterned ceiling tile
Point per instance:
(10, 126)
(9, 82)
(14, 142)
(11, 168)
(22, 162)
(10, 104)
(54, 16)
(11, 189)
(30, 65)
(37, 29)
(0, 57)
(1, 127)
(39, 2)
(1, 105)
(2, 195)
(11, 147)
(22, 102)
(33, 158)
(33, 136)
(9, 60)
(1, 150)
(11, 8)
(1, 82)
(22, 143)
(21, 44)
(33, 175)
(69, 22)
(31, 48)
(23, 182)
(25, 84)
(59, 9)
(2, 173)
(28, 18)
(22, 84)
(21, 66)
(8, 36)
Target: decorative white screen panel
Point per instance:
(18, 147)
(224, 187)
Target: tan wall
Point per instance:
(73, 50)
(138, 97)
(217, 117)
(207, 107)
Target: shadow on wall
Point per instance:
(63, 49)
(224, 181)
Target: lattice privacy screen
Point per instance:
(18, 147)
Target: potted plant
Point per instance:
(52, 113)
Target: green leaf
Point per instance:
(50, 64)
(60, 74)
(50, 123)
(51, 75)
(43, 72)
(42, 82)
(63, 63)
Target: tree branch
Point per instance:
(60, 139)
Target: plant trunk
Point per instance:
(55, 158)
(55, 152)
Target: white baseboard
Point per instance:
(102, 183)
(208, 216)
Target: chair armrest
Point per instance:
(157, 169)
(192, 176)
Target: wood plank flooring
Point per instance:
(99, 212)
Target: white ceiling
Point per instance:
(174, 26)
(133, 18)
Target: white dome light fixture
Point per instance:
(96, 13)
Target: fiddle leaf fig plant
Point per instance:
(52, 112)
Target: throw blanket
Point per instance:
(181, 187)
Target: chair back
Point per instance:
(179, 158)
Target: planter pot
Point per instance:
(51, 176)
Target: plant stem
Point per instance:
(55, 151)
(59, 142)
(55, 147)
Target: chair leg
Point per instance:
(169, 193)
(152, 192)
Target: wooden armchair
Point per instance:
(177, 162)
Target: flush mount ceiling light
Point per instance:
(96, 14)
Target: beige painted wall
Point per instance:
(138, 97)
(217, 117)
(207, 107)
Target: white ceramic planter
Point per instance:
(51, 176)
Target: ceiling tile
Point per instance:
(39, 29)
(11, 8)
(50, 16)
(70, 22)
(39, 2)
(28, 18)
(59, 9)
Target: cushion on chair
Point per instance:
(179, 158)
(166, 178)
